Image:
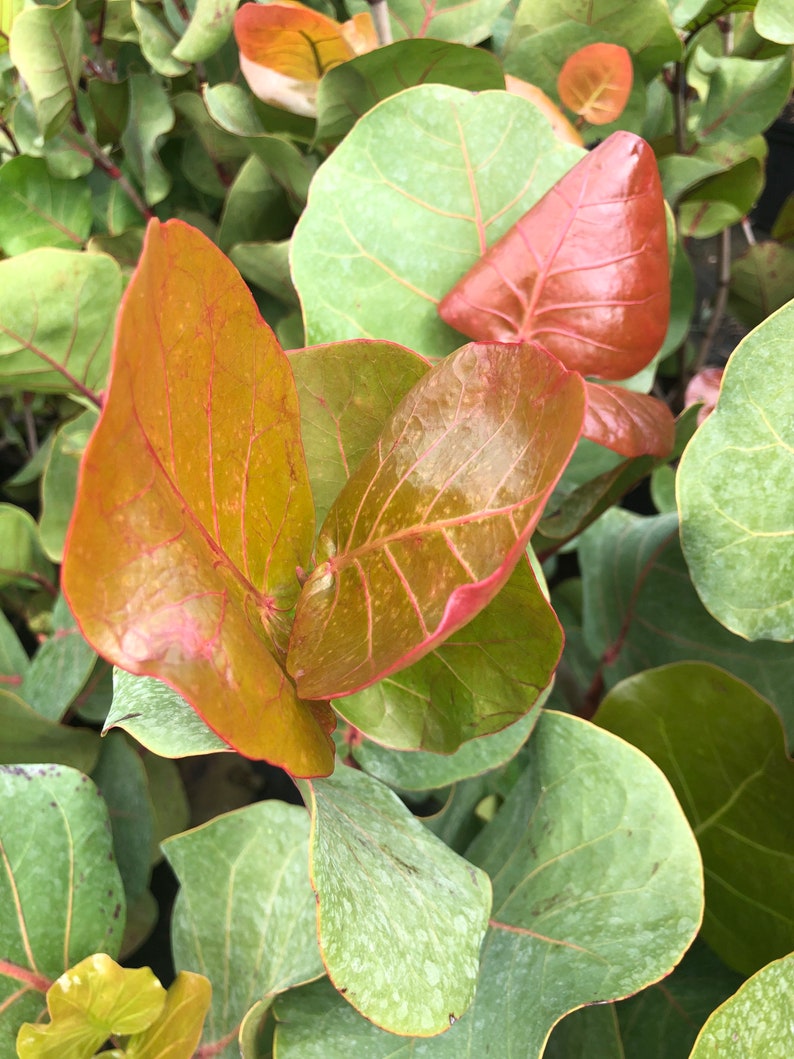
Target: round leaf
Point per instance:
(595, 82)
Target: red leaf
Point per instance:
(705, 387)
(436, 516)
(595, 82)
(632, 424)
(194, 507)
(584, 272)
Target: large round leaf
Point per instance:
(388, 231)
(735, 490)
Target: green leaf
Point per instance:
(762, 281)
(169, 802)
(53, 827)
(774, 20)
(734, 491)
(159, 718)
(744, 95)
(87, 1004)
(721, 200)
(210, 25)
(13, 656)
(56, 320)
(370, 254)
(46, 48)
(60, 667)
(417, 971)
(266, 265)
(351, 89)
(59, 482)
(157, 41)
(756, 1021)
(347, 391)
(629, 564)
(151, 116)
(23, 562)
(722, 748)
(468, 22)
(588, 1033)
(255, 207)
(28, 738)
(436, 516)
(248, 948)
(38, 210)
(418, 770)
(9, 9)
(483, 678)
(121, 779)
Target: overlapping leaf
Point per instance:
(734, 491)
(245, 915)
(46, 48)
(400, 915)
(722, 748)
(465, 21)
(436, 516)
(194, 506)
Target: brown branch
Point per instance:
(720, 300)
(5, 128)
(110, 168)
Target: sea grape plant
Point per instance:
(316, 541)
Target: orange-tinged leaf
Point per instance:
(595, 82)
(194, 508)
(584, 272)
(563, 129)
(632, 424)
(433, 521)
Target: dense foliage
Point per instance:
(331, 346)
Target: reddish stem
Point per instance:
(35, 980)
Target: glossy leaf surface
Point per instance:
(722, 748)
(188, 527)
(595, 82)
(734, 490)
(433, 521)
(249, 948)
(468, 167)
(418, 972)
(53, 826)
(756, 1020)
(584, 272)
(56, 320)
(481, 679)
(591, 835)
(632, 424)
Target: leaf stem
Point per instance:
(36, 981)
(6, 130)
(380, 16)
(110, 168)
(720, 299)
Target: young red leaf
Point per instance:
(194, 507)
(632, 424)
(705, 387)
(433, 521)
(584, 272)
(595, 82)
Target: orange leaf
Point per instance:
(632, 424)
(194, 507)
(595, 82)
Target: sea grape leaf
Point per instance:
(46, 47)
(597, 893)
(56, 320)
(156, 41)
(467, 168)
(561, 125)
(773, 20)
(468, 22)
(13, 656)
(60, 667)
(209, 27)
(347, 391)
(483, 678)
(249, 949)
(176, 1032)
(266, 265)
(59, 482)
(37, 210)
(757, 1018)
(436, 516)
(188, 527)
(28, 738)
(722, 748)
(23, 561)
(150, 117)
(354, 87)
(88, 1003)
(419, 974)
(734, 491)
(419, 770)
(255, 205)
(159, 718)
(632, 424)
(762, 281)
(744, 95)
(607, 319)
(121, 778)
(595, 82)
(724, 198)
(629, 566)
(53, 827)
(170, 807)
(9, 9)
